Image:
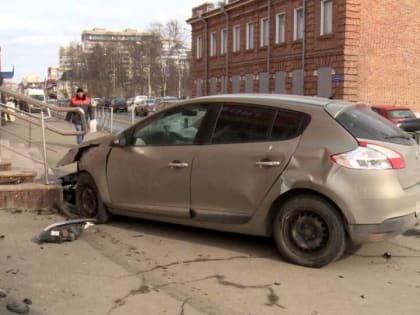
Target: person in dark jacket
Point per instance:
(82, 101)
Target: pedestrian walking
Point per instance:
(11, 104)
(82, 101)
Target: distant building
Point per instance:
(347, 49)
(101, 36)
(125, 58)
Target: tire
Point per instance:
(88, 200)
(309, 231)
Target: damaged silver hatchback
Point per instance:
(316, 174)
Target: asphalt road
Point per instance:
(142, 267)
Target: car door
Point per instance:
(249, 149)
(150, 170)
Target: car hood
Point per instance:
(75, 152)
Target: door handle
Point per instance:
(268, 163)
(177, 164)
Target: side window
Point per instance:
(289, 124)
(240, 124)
(174, 127)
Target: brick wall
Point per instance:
(389, 52)
(320, 50)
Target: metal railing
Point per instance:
(106, 119)
(40, 120)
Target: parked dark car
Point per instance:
(119, 104)
(402, 116)
(315, 174)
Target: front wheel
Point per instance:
(89, 201)
(309, 231)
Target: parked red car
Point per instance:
(402, 116)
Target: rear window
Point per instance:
(403, 113)
(363, 123)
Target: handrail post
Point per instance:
(112, 120)
(103, 118)
(132, 116)
(44, 148)
(30, 128)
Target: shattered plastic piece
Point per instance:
(65, 231)
(18, 308)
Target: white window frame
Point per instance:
(297, 36)
(199, 47)
(223, 41)
(250, 35)
(213, 43)
(264, 39)
(280, 33)
(236, 32)
(329, 29)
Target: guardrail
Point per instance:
(40, 120)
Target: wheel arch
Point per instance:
(283, 198)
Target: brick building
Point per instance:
(356, 50)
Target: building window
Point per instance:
(326, 17)
(280, 28)
(199, 47)
(213, 44)
(298, 24)
(250, 36)
(236, 38)
(264, 32)
(223, 42)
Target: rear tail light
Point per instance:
(369, 156)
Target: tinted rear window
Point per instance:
(363, 123)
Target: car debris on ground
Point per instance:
(64, 231)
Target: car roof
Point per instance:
(277, 100)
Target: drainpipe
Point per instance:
(304, 44)
(269, 42)
(227, 49)
(200, 17)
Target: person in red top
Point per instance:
(83, 101)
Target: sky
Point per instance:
(31, 32)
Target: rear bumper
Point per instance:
(363, 233)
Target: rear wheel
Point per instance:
(89, 201)
(309, 231)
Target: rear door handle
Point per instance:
(268, 163)
(177, 164)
